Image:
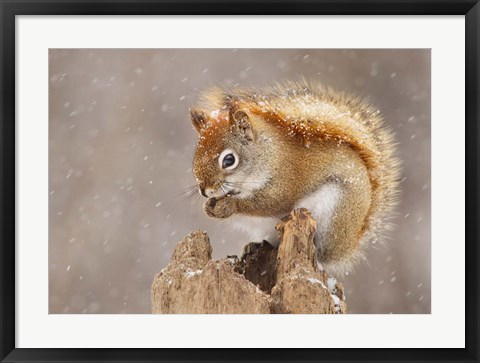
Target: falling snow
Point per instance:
(120, 180)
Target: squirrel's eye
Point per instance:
(228, 159)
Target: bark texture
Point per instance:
(265, 280)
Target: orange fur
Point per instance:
(311, 125)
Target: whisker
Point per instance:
(239, 187)
(186, 191)
(182, 201)
(246, 182)
(189, 187)
(223, 190)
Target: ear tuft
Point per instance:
(243, 123)
(198, 120)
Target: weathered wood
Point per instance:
(193, 283)
(264, 280)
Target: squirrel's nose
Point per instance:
(206, 192)
(202, 191)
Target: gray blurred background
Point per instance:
(120, 152)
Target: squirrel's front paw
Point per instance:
(219, 208)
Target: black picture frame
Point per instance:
(11, 8)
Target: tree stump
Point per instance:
(265, 280)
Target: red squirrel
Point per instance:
(263, 152)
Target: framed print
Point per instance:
(218, 176)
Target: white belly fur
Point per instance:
(257, 228)
(321, 204)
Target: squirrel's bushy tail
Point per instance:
(325, 113)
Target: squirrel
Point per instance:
(263, 152)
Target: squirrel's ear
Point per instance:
(198, 120)
(242, 121)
